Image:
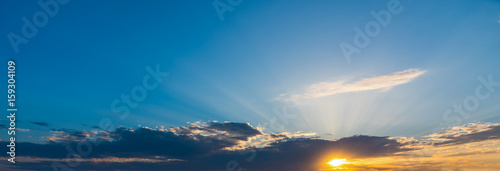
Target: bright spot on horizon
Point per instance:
(337, 162)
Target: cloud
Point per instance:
(4, 126)
(235, 128)
(67, 135)
(473, 132)
(299, 152)
(45, 124)
(383, 83)
(201, 146)
(212, 145)
(155, 159)
(472, 153)
(22, 130)
(180, 142)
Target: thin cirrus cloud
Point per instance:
(382, 82)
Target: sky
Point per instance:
(384, 84)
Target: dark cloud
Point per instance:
(242, 129)
(69, 135)
(45, 124)
(146, 142)
(278, 135)
(124, 142)
(203, 147)
(492, 133)
(202, 151)
(4, 126)
(93, 127)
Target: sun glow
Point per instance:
(337, 162)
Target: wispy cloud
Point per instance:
(382, 82)
(41, 123)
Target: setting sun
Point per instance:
(337, 162)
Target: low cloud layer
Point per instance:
(223, 145)
(469, 133)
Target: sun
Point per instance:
(337, 162)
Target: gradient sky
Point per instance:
(264, 55)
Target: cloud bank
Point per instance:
(217, 145)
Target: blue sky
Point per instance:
(232, 70)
